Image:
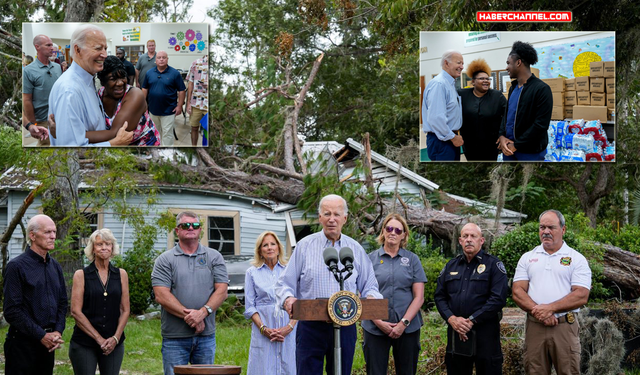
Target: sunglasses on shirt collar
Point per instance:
(186, 226)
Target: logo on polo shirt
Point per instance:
(533, 260)
(566, 261)
(404, 261)
(201, 260)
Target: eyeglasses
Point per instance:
(391, 229)
(186, 226)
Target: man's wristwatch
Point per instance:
(209, 310)
(406, 322)
(28, 124)
(472, 319)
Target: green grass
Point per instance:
(143, 343)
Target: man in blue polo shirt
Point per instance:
(163, 85)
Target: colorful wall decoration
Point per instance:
(131, 34)
(187, 41)
(570, 60)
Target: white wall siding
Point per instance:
(254, 218)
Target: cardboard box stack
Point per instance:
(610, 89)
(595, 94)
(590, 102)
(557, 86)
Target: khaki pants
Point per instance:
(545, 346)
(195, 117)
(165, 125)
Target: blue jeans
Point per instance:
(197, 350)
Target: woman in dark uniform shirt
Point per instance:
(401, 280)
(100, 306)
(482, 111)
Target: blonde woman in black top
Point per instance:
(482, 111)
(100, 306)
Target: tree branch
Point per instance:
(10, 56)
(276, 170)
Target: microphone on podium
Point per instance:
(346, 258)
(330, 255)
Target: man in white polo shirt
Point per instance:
(551, 282)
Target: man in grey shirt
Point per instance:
(37, 80)
(146, 62)
(190, 282)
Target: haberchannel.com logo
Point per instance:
(535, 16)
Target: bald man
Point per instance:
(35, 303)
(162, 86)
(37, 80)
(470, 294)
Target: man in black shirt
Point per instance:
(35, 303)
(523, 132)
(131, 71)
(470, 294)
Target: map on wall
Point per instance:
(188, 40)
(570, 60)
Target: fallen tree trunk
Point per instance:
(622, 268)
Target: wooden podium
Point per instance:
(206, 369)
(317, 310)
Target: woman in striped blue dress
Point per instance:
(273, 339)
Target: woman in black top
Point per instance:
(482, 111)
(100, 306)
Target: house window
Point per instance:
(299, 229)
(221, 234)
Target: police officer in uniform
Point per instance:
(471, 292)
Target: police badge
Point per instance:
(481, 268)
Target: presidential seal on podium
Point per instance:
(344, 308)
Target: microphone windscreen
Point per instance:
(330, 254)
(346, 255)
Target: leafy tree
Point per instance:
(132, 10)
(355, 89)
(170, 10)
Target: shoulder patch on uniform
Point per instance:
(501, 267)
